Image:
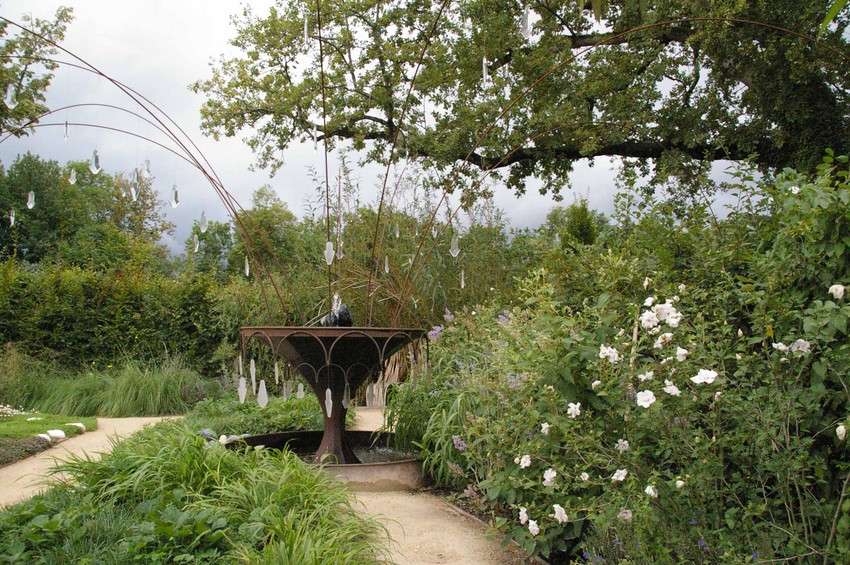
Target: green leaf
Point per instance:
(831, 14)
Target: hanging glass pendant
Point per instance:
(386, 264)
(133, 194)
(196, 243)
(12, 217)
(306, 36)
(203, 224)
(11, 99)
(242, 389)
(346, 396)
(276, 373)
(72, 177)
(262, 395)
(526, 23)
(485, 70)
(340, 254)
(175, 199)
(94, 165)
(239, 365)
(455, 248)
(247, 267)
(287, 389)
(299, 393)
(433, 232)
(66, 130)
(253, 372)
(146, 169)
(329, 402)
(329, 253)
(30, 200)
(397, 231)
(462, 279)
(336, 302)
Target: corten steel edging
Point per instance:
(330, 358)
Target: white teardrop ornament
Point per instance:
(346, 396)
(11, 99)
(175, 199)
(300, 392)
(94, 165)
(262, 395)
(329, 253)
(242, 389)
(30, 200)
(72, 177)
(455, 248)
(203, 224)
(329, 402)
(526, 23)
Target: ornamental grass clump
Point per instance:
(165, 495)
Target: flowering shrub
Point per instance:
(663, 419)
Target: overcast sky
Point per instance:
(159, 47)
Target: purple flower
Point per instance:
(585, 554)
(435, 333)
(702, 545)
(504, 317)
(448, 317)
(459, 443)
(434, 393)
(693, 521)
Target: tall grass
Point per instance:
(130, 389)
(164, 495)
(24, 379)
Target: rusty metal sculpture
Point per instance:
(332, 359)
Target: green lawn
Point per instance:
(18, 432)
(26, 425)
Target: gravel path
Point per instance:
(425, 528)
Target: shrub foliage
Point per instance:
(685, 375)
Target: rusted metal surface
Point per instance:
(328, 358)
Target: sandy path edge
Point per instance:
(23, 479)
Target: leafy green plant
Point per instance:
(164, 495)
(226, 415)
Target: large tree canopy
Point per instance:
(695, 89)
(25, 73)
(65, 214)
